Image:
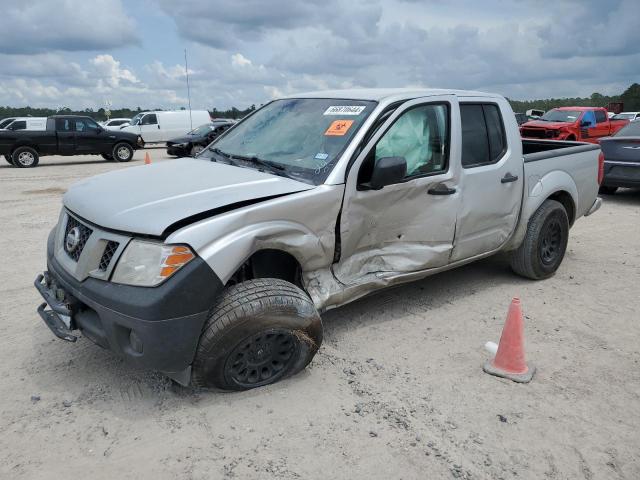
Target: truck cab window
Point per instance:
(420, 136)
(150, 119)
(19, 125)
(601, 116)
(64, 125)
(483, 134)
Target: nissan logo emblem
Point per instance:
(73, 239)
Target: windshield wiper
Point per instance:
(259, 161)
(249, 158)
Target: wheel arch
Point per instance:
(556, 185)
(269, 263)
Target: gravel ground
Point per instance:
(396, 391)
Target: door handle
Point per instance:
(508, 178)
(441, 189)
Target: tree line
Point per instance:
(630, 97)
(100, 114)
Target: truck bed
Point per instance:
(534, 149)
(546, 162)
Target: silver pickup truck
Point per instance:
(215, 269)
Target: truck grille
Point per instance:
(74, 249)
(534, 133)
(109, 251)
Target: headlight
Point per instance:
(148, 264)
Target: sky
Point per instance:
(81, 54)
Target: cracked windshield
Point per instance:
(299, 138)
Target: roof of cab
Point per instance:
(379, 94)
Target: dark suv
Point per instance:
(66, 135)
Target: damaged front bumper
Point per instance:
(156, 328)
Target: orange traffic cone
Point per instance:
(509, 361)
(147, 158)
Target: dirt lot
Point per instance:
(397, 390)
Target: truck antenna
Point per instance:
(186, 71)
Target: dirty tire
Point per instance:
(607, 190)
(122, 152)
(25, 157)
(107, 156)
(260, 332)
(542, 250)
(8, 159)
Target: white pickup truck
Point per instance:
(215, 269)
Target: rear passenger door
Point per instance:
(602, 127)
(491, 180)
(66, 132)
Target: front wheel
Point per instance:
(542, 250)
(260, 332)
(25, 157)
(607, 190)
(122, 152)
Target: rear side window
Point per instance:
(483, 135)
(64, 125)
(601, 116)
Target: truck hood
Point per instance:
(543, 124)
(150, 198)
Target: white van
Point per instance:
(27, 123)
(160, 126)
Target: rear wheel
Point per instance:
(25, 157)
(8, 159)
(122, 152)
(607, 190)
(542, 250)
(260, 332)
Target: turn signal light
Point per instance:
(177, 258)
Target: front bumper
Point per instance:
(156, 328)
(178, 151)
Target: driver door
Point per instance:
(408, 226)
(89, 137)
(150, 128)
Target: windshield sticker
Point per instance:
(345, 110)
(321, 156)
(338, 128)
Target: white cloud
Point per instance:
(110, 71)
(239, 60)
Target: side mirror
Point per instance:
(387, 171)
(585, 123)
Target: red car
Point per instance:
(582, 124)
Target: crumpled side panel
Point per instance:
(301, 224)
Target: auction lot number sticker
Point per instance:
(344, 110)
